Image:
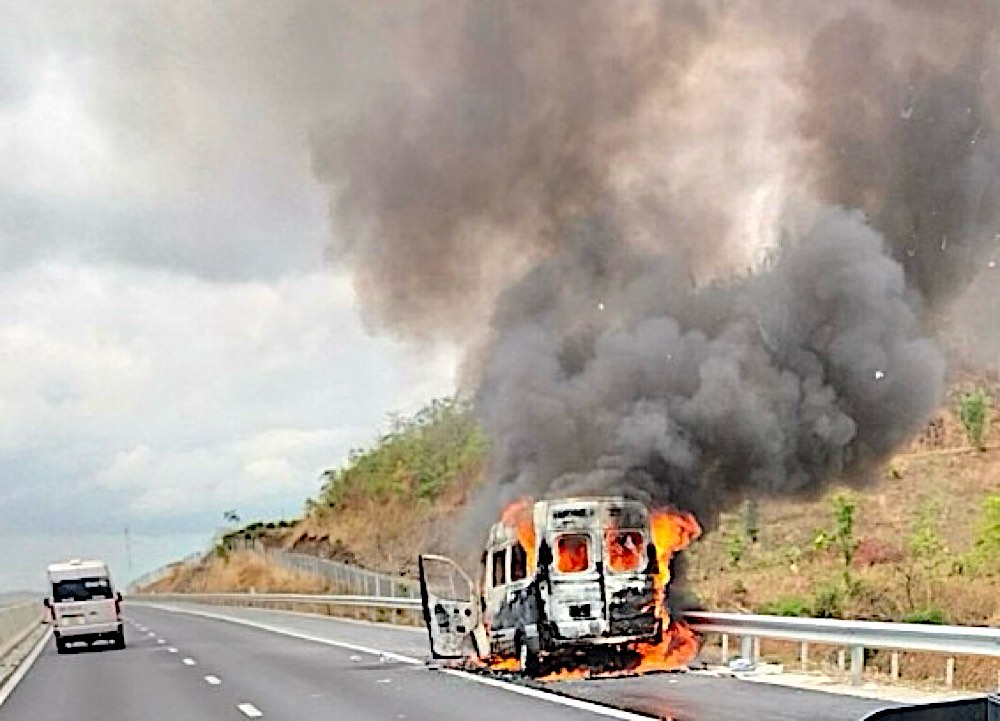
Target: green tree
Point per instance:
(751, 520)
(985, 553)
(735, 547)
(974, 412)
(417, 458)
(841, 537)
(926, 550)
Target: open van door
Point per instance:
(451, 609)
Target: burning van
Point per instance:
(561, 578)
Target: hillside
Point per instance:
(924, 535)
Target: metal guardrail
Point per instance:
(962, 640)
(250, 599)
(346, 577)
(855, 635)
(342, 577)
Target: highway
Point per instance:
(230, 663)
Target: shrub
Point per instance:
(751, 520)
(828, 602)
(417, 458)
(925, 542)
(788, 606)
(973, 411)
(985, 553)
(735, 547)
(841, 537)
(926, 615)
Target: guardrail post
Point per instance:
(841, 660)
(949, 672)
(894, 666)
(725, 648)
(804, 654)
(746, 648)
(857, 665)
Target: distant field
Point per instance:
(15, 597)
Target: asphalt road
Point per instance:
(180, 666)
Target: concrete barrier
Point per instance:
(16, 622)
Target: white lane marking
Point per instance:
(213, 680)
(150, 634)
(160, 641)
(579, 704)
(249, 710)
(294, 634)
(422, 631)
(188, 662)
(576, 703)
(172, 650)
(26, 664)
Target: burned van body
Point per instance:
(557, 576)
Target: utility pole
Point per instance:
(128, 549)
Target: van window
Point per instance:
(81, 589)
(499, 567)
(624, 551)
(573, 553)
(518, 562)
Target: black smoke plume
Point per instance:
(707, 239)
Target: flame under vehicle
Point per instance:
(84, 606)
(559, 579)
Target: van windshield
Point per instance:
(82, 589)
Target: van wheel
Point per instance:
(528, 660)
(120, 638)
(60, 646)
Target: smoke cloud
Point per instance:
(711, 238)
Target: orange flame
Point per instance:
(519, 516)
(672, 532)
(625, 552)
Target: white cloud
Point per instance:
(143, 396)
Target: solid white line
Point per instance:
(25, 666)
(294, 634)
(576, 703)
(249, 710)
(188, 662)
(579, 704)
(213, 680)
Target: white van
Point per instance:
(84, 606)
(576, 574)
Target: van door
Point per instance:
(451, 609)
(81, 602)
(576, 602)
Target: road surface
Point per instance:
(249, 663)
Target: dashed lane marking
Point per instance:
(574, 703)
(188, 662)
(249, 710)
(213, 680)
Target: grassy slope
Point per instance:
(404, 493)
